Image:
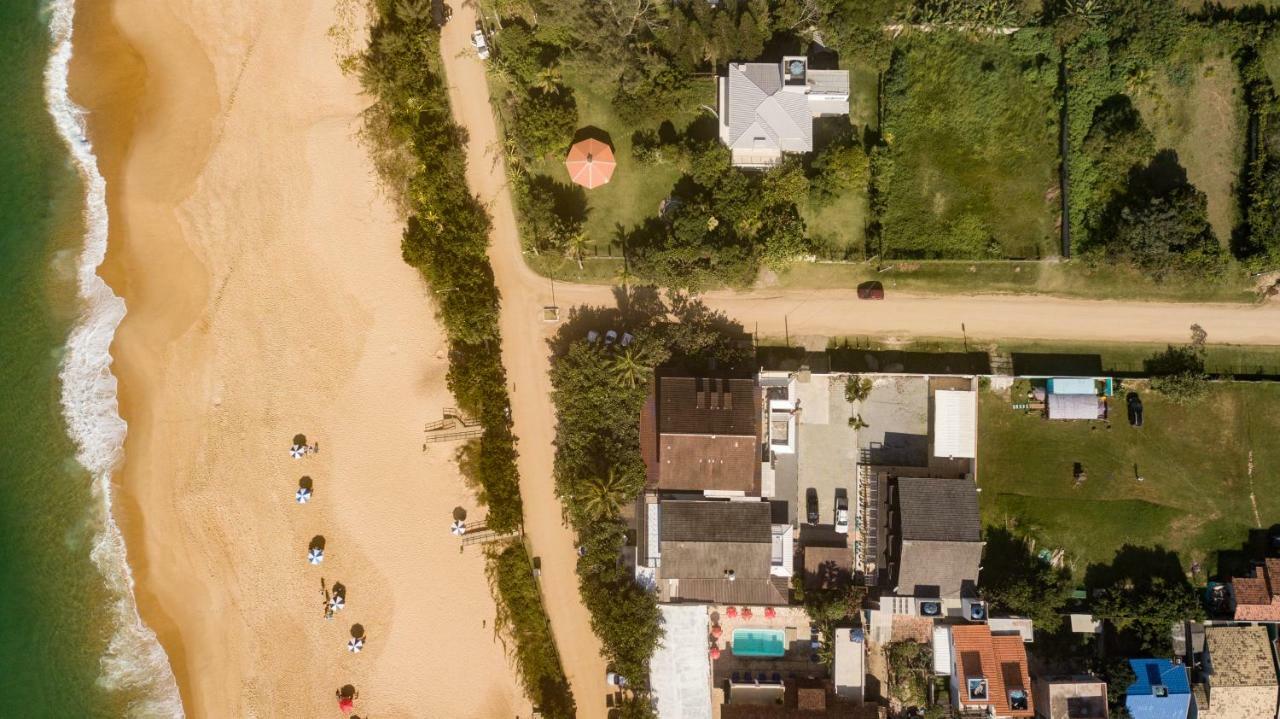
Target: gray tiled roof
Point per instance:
(714, 521)
(759, 107)
(942, 510)
(942, 569)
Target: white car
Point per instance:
(482, 47)
(842, 515)
(615, 679)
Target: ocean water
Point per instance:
(71, 642)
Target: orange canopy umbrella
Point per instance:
(590, 163)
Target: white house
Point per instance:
(767, 109)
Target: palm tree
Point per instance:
(411, 11)
(602, 495)
(575, 246)
(630, 366)
(548, 80)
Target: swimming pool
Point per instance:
(759, 642)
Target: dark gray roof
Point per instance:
(938, 569)
(712, 521)
(940, 510)
(689, 405)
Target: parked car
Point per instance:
(615, 679)
(842, 514)
(1135, 409)
(871, 291)
(482, 47)
(811, 505)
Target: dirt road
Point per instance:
(770, 313)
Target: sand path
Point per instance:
(267, 296)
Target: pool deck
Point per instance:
(794, 623)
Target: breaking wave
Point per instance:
(134, 665)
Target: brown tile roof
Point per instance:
(689, 405)
(1239, 657)
(1001, 660)
(701, 462)
(1258, 596)
(760, 592)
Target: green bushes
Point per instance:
(520, 615)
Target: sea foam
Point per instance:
(135, 665)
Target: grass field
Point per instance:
(636, 190)
(1202, 118)
(971, 129)
(1271, 58)
(1194, 460)
(1069, 279)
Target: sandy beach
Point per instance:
(266, 297)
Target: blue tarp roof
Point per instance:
(1072, 385)
(1144, 704)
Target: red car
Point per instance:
(871, 291)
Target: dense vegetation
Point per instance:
(599, 391)
(418, 150)
(520, 615)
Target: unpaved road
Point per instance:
(770, 313)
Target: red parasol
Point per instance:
(716, 631)
(746, 612)
(715, 652)
(590, 163)
(731, 612)
(770, 613)
(346, 704)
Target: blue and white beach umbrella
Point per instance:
(458, 528)
(297, 451)
(303, 495)
(355, 645)
(337, 603)
(315, 555)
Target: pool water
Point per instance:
(759, 642)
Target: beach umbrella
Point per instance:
(770, 613)
(458, 528)
(355, 645)
(337, 603)
(715, 652)
(716, 631)
(303, 495)
(731, 612)
(346, 705)
(315, 555)
(746, 612)
(296, 451)
(590, 163)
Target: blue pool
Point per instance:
(759, 642)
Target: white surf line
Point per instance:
(134, 664)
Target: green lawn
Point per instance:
(971, 128)
(1070, 279)
(1195, 106)
(634, 193)
(1194, 497)
(1271, 58)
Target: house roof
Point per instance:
(1258, 597)
(1074, 697)
(1239, 657)
(761, 114)
(955, 423)
(760, 592)
(1073, 406)
(1001, 660)
(1140, 700)
(710, 560)
(700, 405)
(943, 510)
(938, 569)
(715, 521)
(700, 462)
(827, 566)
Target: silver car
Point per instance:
(482, 47)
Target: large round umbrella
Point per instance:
(716, 631)
(770, 612)
(337, 603)
(715, 652)
(355, 645)
(315, 555)
(458, 528)
(746, 612)
(303, 495)
(731, 612)
(590, 163)
(346, 705)
(296, 451)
